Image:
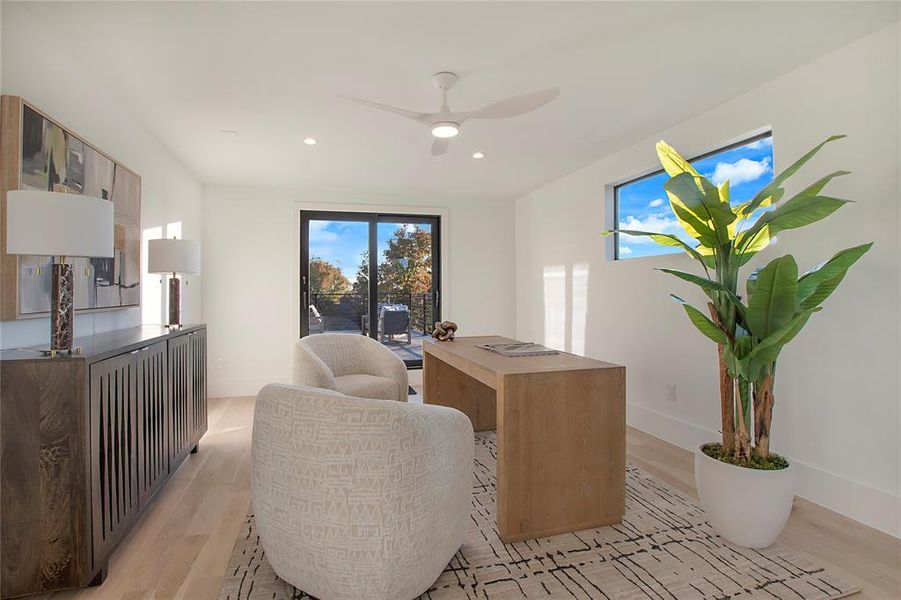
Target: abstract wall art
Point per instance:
(40, 154)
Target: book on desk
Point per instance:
(515, 349)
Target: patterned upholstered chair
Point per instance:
(355, 365)
(359, 498)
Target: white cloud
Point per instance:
(766, 142)
(625, 250)
(741, 171)
(656, 202)
(656, 223)
(319, 234)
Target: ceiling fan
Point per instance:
(446, 124)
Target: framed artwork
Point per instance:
(37, 153)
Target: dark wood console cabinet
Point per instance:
(85, 442)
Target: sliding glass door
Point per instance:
(371, 274)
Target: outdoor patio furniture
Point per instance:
(315, 320)
(394, 319)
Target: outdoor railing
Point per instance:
(345, 311)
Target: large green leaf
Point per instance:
(765, 196)
(801, 210)
(702, 199)
(775, 298)
(704, 325)
(817, 186)
(747, 208)
(672, 162)
(693, 225)
(816, 285)
(710, 287)
(734, 355)
(767, 350)
(755, 245)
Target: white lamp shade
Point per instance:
(56, 224)
(173, 256)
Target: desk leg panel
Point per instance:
(447, 386)
(561, 452)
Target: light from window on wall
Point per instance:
(173, 230)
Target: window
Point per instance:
(642, 203)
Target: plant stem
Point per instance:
(742, 439)
(727, 394)
(763, 414)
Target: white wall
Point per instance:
(46, 69)
(251, 245)
(837, 410)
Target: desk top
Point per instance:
(484, 365)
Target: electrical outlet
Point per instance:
(671, 392)
(219, 364)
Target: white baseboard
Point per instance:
(871, 506)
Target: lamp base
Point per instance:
(62, 308)
(174, 302)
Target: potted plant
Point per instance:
(747, 490)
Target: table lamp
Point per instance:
(61, 225)
(176, 257)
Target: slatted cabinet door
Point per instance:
(114, 463)
(199, 403)
(153, 418)
(181, 399)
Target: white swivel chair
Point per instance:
(355, 365)
(359, 498)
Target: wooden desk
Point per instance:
(561, 439)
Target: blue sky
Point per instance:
(342, 243)
(644, 206)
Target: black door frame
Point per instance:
(373, 219)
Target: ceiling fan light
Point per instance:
(445, 129)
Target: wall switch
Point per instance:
(671, 392)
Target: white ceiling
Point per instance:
(274, 73)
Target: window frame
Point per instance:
(766, 133)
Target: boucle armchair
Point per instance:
(355, 365)
(359, 498)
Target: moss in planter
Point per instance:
(773, 462)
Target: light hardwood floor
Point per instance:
(181, 546)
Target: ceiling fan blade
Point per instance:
(517, 105)
(439, 146)
(419, 117)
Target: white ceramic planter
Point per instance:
(748, 507)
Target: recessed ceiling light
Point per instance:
(445, 129)
(478, 155)
(231, 132)
(310, 141)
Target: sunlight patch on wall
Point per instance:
(151, 294)
(555, 307)
(579, 307)
(173, 230)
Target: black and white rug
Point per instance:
(663, 550)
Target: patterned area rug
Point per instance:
(663, 550)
